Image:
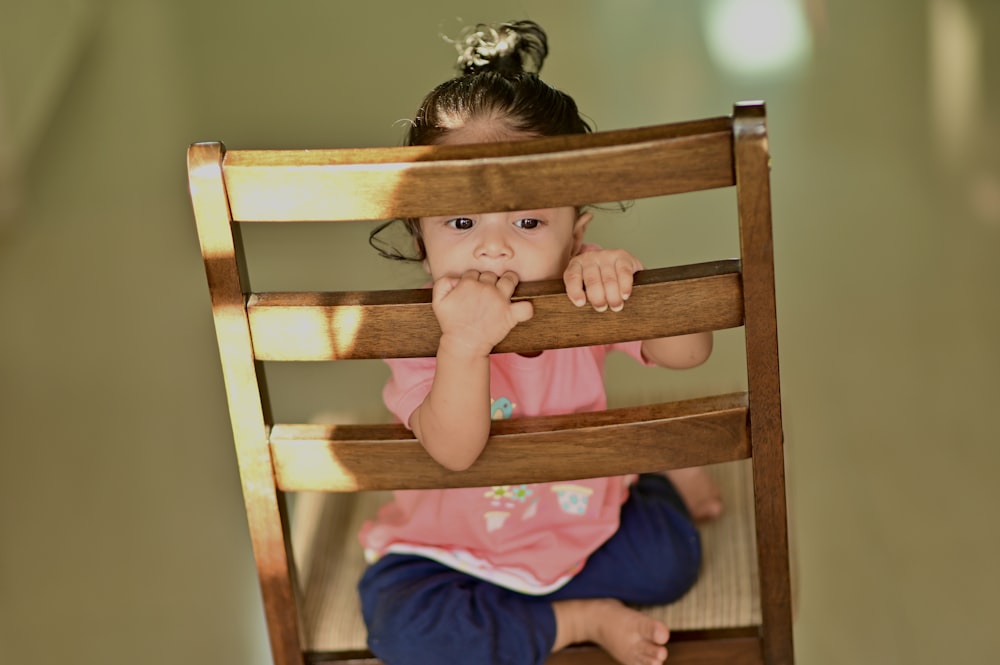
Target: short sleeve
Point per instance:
(633, 349)
(408, 386)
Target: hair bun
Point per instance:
(506, 48)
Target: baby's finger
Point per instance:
(625, 276)
(470, 276)
(487, 277)
(522, 310)
(507, 283)
(443, 287)
(573, 281)
(596, 284)
(613, 297)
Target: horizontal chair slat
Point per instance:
(419, 181)
(401, 324)
(345, 458)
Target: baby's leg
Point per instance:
(700, 493)
(653, 558)
(418, 611)
(629, 636)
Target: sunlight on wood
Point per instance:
(316, 334)
(345, 328)
(307, 456)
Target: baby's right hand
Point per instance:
(475, 311)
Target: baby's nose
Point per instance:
(493, 243)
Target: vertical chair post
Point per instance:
(753, 191)
(265, 505)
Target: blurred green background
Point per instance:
(122, 535)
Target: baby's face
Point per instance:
(534, 244)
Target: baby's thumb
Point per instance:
(443, 287)
(522, 311)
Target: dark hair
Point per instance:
(499, 67)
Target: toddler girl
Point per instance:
(510, 574)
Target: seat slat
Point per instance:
(326, 185)
(346, 458)
(401, 324)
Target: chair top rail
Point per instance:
(418, 181)
(401, 324)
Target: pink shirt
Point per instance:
(531, 538)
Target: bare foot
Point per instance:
(700, 493)
(629, 636)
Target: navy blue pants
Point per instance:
(420, 612)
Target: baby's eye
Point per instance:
(528, 223)
(461, 223)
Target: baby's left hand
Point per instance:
(602, 277)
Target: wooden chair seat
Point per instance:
(726, 596)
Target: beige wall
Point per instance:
(122, 535)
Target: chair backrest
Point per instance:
(230, 188)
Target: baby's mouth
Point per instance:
(496, 270)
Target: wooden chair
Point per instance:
(242, 187)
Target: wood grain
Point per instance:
(753, 193)
(347, 458)
(401, 324)
(386, 183)
(265, 507)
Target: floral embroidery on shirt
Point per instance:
(508, 496)
(501, 408)
(495, 519)
(531, 511)
(521, 493)
(573, 498)
(498, 492)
